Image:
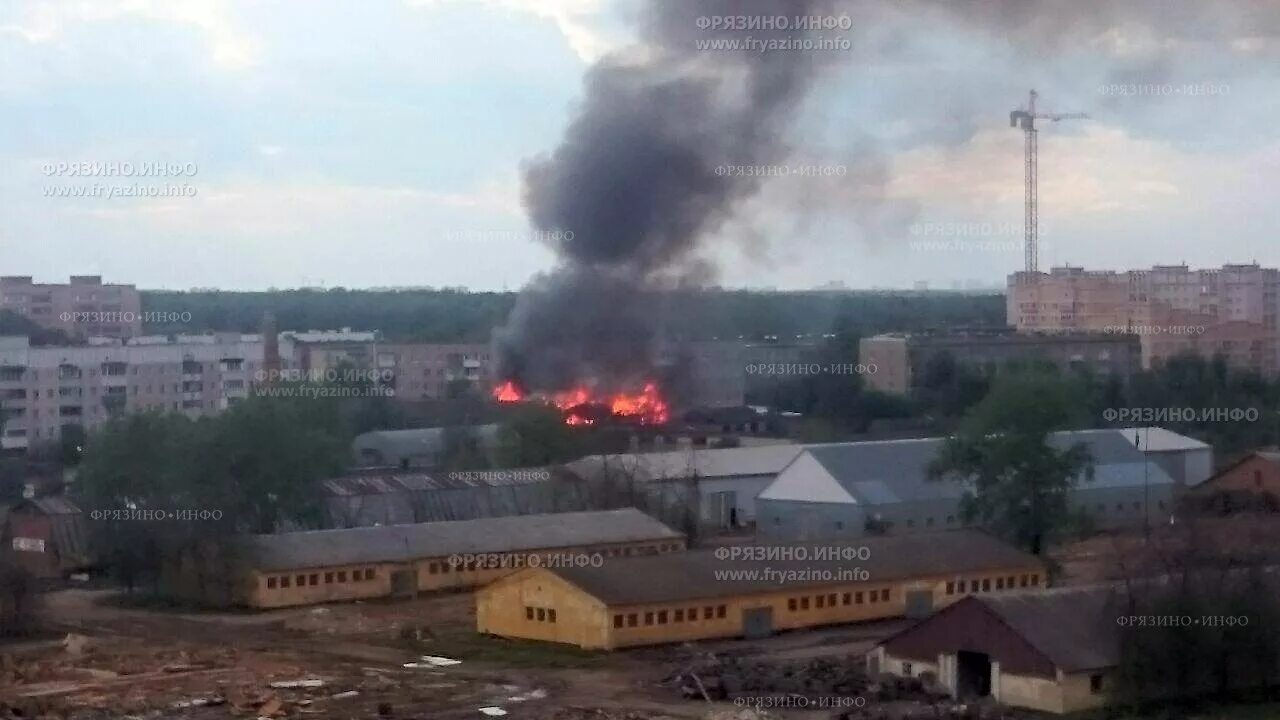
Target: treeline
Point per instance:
(1231, 409)
(451, 315)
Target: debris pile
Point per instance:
(733, 678)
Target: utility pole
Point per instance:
(1026, 120)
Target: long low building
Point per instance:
(317, 566)
(845, 490)
(750, 591)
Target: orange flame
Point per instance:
(647, 406)
(507, 392)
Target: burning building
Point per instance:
(625, 200)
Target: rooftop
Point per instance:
(402, 543)
(700, 574)
(691, 462)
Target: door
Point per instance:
(757, 622)
(404, 583)
(919, 603)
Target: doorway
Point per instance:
(973, 675)
(757, 622)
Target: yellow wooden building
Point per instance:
(750, 591)
(317, 566)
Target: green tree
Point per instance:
(1016, 483)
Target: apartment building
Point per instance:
(83, 307)
(43, 389)
(901, 361)
(1231, 310)
(433, 371)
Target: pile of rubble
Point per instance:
(734, 678)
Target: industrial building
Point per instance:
(722, 482)
(1254, 480)
(394, 497)
(750, 591)
(316, 566)
(1050, 650)
(842, 490)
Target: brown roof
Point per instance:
(1075, 628)
(727, 572)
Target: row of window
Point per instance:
(312, 579)
(837, 599)
(660, 617)
(1002, 583)
(540, 614)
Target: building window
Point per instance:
(662, 617)
(857, 598)
(648, 618)
(315, 579)
(884, 595)
(820, 601)
(804, 603)
(551, 615)
(951, 588)
(617, 621)
(528, 613)
(951, 519)
(328, 578)
(791, 604)
(1024, 581)
(720, 611)
(831, 600)
(1095, 684)
(370, 573)
(839, 525)
(542, 615)
(300, 580)
(999, 583)
(284, 581)
(632, 620)
(848, 598)
(986, 585)
(679, 615)
(1008, 583)
(1035, 579)
(707, 612)
(906, 668)
(271, 583)
(342, 576)
(433, 568)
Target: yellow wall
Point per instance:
(495, 565)
(501, 609)
(1076, 694)
(319, 585)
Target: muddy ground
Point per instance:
(104, 659)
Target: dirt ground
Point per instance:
(105, 659)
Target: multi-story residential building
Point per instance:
(1232, 310)
(43, 389)
(900, 360)
(82, 308)
(432, 371)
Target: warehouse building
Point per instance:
(846, 490)
(750, 591)
(48, 536)
(317, 566)
(1053, 650)
(721, 483)
(396, 497)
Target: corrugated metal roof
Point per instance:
(394, 444)
(374, 483)
(892, 471)
(55, 505)
(1157, 439)
(401, 543)
(700, 574)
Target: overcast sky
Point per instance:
(380, 143)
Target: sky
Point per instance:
(380, 143)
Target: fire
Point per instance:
(646, 407)
(507, 392)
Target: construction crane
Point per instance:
(1026, 119)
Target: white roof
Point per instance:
(1156, 439)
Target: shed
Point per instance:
(48, 536)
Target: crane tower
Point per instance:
(1026, 120)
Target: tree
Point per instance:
(536, 435)
(1016, 483)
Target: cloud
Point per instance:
(580, 21)
(229, 45)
